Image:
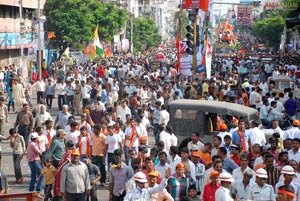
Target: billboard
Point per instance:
(244, 15)
(13, 40)
(195, 4)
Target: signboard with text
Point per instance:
(244, 15)
(195, 4)
(281, 5)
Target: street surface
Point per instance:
(7, 163)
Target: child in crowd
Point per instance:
(49, 172)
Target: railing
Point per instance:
(27, 196)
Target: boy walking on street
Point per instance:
(49, 173)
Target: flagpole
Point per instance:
(179, 36)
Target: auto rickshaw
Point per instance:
(281, 82)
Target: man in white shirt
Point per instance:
(40, 89)
(293, 132)
(163, 165)
(238, 173)
(123, 110)
(195, 141)
(73, 133)
(261, 190)
(294, 153)
(223, 193)
(289, 173)
(273, 113)
(113, 142)
(60, 87)
(165, 137)
(257, 135)
(242, 185)
(85, 93)
(164, 117)
(254, 98)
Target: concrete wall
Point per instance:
(26, 3)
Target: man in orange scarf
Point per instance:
(132, 134)
(83, 143)
(242, 137)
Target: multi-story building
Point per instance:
(18, 33)
(162, 11)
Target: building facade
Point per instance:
(162, 11)
(18, 31)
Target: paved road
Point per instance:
(7, 163)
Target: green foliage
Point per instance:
(145, 34)
(269, 29)
(73, 21)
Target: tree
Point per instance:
(269, 29)
(73, 21)
(145, 34)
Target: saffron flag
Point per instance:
(97, 45)
(86, 51)
(178, 49)
(188, 3)
(107, 53)
(203, 5)
(51, 35)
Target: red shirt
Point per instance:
(236, 160)
(209, 192)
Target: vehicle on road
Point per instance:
(281, 82)
(187, 116)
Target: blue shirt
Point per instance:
(229, 165)
(291, 106)
(237, 140)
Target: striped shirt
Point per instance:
(273, 176)
(179, 188)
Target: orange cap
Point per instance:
(75, 152)
(196, 154)
(223, 127)
(153, 173)
(258, 166)
(86, 111)
(214, 173)
(143, 139)
(179, 166)
(296, 122)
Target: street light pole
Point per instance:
(39, 39)
(131, 32)
(22, 27)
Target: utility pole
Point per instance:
(195, 46)
(39, 39)
(131, 30)
(21, 35)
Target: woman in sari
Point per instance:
(66, 159)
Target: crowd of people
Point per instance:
(108, 112)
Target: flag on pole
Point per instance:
(178, 49)
(188, 3)
(97, 47)
(203, 5)
(51, 35)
